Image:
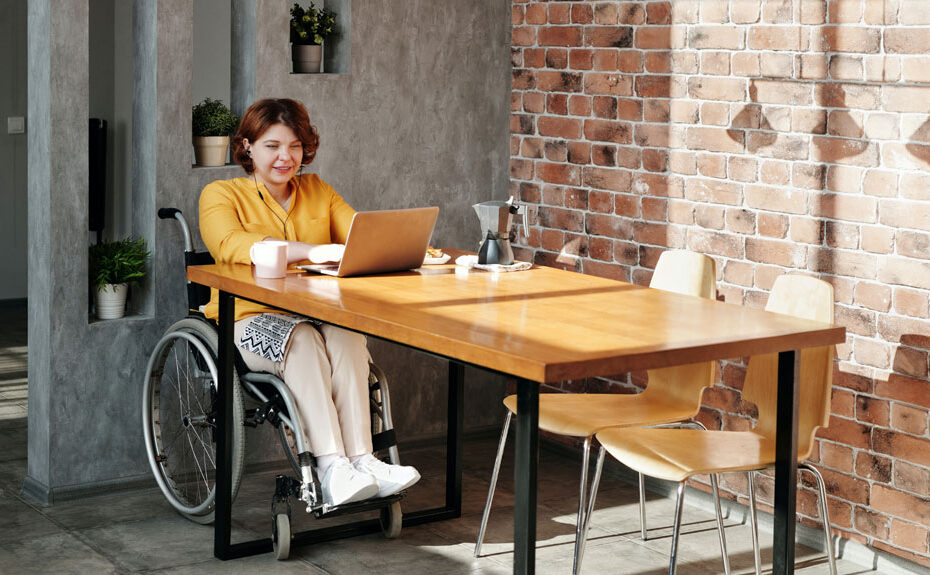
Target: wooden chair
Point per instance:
(672, 395)
(677, 454)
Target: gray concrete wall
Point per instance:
(422, 118)
(12, 150)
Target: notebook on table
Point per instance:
(383, 241)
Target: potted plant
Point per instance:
(212, 125)
(113, 265)
(309, 28)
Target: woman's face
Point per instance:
(276, 155)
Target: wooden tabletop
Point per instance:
(542, 324)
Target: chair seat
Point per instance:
(677, 454)
(584, 414)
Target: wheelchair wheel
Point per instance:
(178, 413)
(281, 536)
(391, 520)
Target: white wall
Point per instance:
(12, 150)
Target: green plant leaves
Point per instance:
(311, 25)
(213, 118)
(121, 261)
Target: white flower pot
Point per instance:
(110, 301)
(210, 150)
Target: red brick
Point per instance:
(579, 152)
(536, 14)
(523, 36)
(559, 173)
(652, 135)
(906, 40)
(775, 37)
(846, 151)
(847, 207)
(871, 523)
(655, 160)
(904, 272)
(787, 254)
(657, 63)
(658, 235)
(609, 36)
(556, 58)
(740, 221)
(714, 191)
(608, 131)
(772, 225)
(806, 230)
(568, 128)
(841, 235)
(846, 263)
(716, 37)
(847, 432)
(909, 419)
(871, 410)
(534, 57)
(562, 219)
(582, 14)
(909, 536)
(873, 467)
(605, 13)
(653, 38)
(905, 99)
(715, 139)
(905, 214)
(727, 89)
(657, 111)
(777, 200)
(557, 104)
(873, 296)
(554, 81)
(608, 225)
(630, 109)
(780, 92)
(653, 86)
(560, 36)
(911, 302)
(911, 449)
(581, 59)
(912, 478)
(900, 504)
(607, 179)
(905, 389)
(559, 13)
(848, 39)
(521, 169)
(555, 151)
(845, 486)
(612, 84)
(837, 457)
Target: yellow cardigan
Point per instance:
(233, 217)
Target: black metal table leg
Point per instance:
(786, 461)
(525, 469)
(222, 523)
(456, 407)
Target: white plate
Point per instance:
(428, 261)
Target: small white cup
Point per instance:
(270, 258)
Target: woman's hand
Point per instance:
(326, 253)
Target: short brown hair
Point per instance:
(262, 115)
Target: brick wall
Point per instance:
(777, 136)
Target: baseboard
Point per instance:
(39, 493)
(812, 537)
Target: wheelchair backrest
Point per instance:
(197, 294)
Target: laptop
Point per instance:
(383, 241)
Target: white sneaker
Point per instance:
(390, 478)
(343, 483)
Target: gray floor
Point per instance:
(138, 532)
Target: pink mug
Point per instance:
(270, 258)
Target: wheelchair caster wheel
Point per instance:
(281, 536)
(391, 520)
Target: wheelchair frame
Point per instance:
(276, 405)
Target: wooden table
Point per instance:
(541, 325)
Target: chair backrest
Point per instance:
(687, 273)
(807, 298)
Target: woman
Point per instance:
(325, 367)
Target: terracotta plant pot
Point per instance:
(110, 301)
(306, 58)
(210, 150)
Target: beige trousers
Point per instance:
(326, 369)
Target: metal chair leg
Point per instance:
(676, 531)
(587, 516)
(582, 492)
(721, 534)
(824, 514)
(756, 554)
(497, 468)
(642, 507)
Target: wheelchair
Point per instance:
(179, 422)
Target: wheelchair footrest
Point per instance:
(357, 506)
